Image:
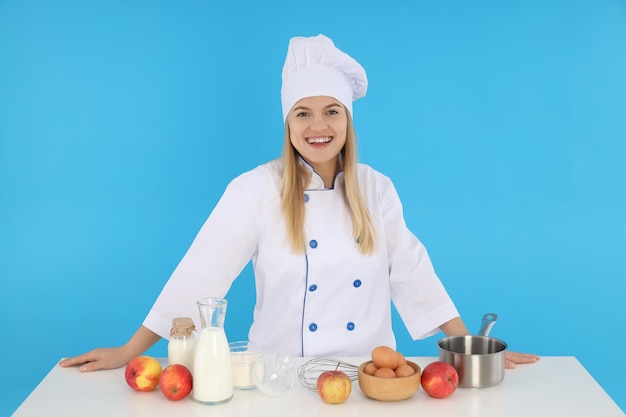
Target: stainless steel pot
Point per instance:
(479, 360)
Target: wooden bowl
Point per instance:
(389, 389)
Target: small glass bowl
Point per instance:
(274, 375)
(243, 356)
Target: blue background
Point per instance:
(501, 123)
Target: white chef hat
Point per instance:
(315, 67)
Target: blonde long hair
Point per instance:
(295, 180)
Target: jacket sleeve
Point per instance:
(221, 249)
(416, 290)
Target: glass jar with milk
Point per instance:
(182, 345)
(212, 368)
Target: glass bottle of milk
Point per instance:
(212, 369)
(182, 345)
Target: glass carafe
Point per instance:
(212, 369)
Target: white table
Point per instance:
(554, 386)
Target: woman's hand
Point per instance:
(111, 358)
(101, 358)
(512, 359)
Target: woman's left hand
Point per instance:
(512, 359)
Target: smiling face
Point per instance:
(317, 128)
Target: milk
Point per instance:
(181, 350)
(182, 345)
(212, 368)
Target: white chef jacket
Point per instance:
(330, 300)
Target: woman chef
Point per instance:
(326, 236)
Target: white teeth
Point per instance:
(319, 139)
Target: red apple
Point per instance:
(439, 379)
(334, 387)
(142, 373)
(175, 382)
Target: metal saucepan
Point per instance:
(479, 360)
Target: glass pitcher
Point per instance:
(212, 369)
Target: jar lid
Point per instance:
(182, 326)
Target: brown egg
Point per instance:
(370, 368)
(404, 370)
(401, 359)
(385, 373)
(385, 357)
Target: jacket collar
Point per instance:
(317, 183)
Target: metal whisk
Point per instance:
(309, 371)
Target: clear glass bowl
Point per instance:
(274, 375)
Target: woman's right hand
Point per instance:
(111, 358)
(101, 358)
